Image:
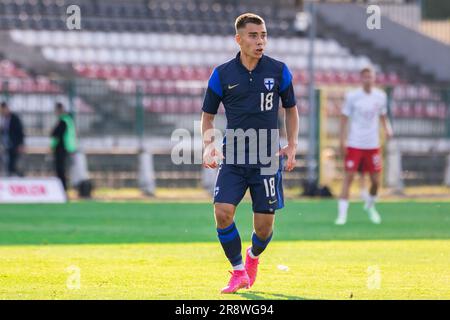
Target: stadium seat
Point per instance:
(168, 48)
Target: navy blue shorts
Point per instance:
(266, 190)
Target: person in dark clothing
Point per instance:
(12, 138)
(62, 142)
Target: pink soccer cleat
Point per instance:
(239, 279)
(251, 266)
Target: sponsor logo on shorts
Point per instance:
(350, 164)
(376, 160)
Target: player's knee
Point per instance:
(224, 216)
(263, 232)
(375, 184)
(344, 193)
(350, 176)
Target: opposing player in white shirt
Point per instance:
(361, 115)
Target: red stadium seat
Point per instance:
(149, 72)
(167, 87)
(162, 72)
(185, 105)
(136, 72)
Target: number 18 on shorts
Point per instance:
(266, 191)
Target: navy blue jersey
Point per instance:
(251, 100)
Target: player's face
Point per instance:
(368, 79)
(3, 112)
(252, 39)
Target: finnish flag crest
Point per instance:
(269, 83)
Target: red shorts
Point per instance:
(362, 160)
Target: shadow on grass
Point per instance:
(260, 295)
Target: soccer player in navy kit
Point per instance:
(250, 87)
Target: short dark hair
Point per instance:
(245, 18)
(59, 106)
(367, 69)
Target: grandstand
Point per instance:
(158, 55)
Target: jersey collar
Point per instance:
(243, 69)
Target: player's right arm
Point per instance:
(211, 102)
(211, 155)
(343, 134)
(345, 113)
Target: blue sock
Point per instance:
(231, 243)
(258, 245)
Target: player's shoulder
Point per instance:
(274, 64)
(221, 72)
(379, 93)
(353, 93)
(226, 66)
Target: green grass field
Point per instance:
(170, 251)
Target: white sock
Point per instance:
(239, 267)
(364, 195)
(343, 207)
(370, 202)
(250, 253)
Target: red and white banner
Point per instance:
(31, 190)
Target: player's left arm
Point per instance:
(292, 126)
(291, 120)
(386, 123)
